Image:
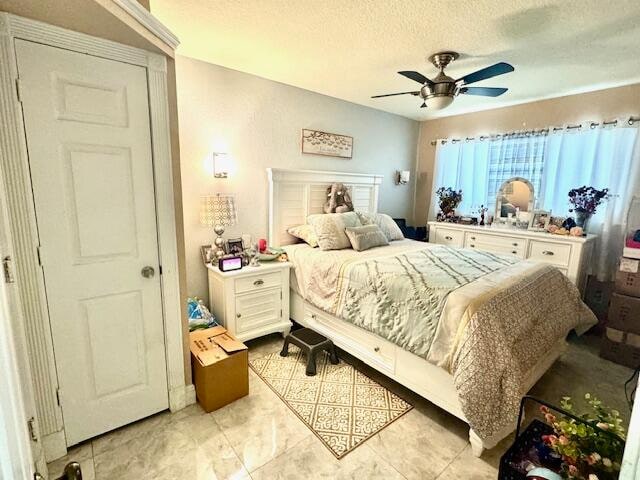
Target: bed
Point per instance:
(453, 325)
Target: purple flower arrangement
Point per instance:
(448, 200)
(586, 199)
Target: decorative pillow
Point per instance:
(366, 237)
(329, 228)
(388, 226)
(304, 232)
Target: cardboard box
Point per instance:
(624, 313)
(220, 367)
(597, 297)
(628, 277)
(621, 347)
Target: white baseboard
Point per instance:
(180, 397)
(54, 446)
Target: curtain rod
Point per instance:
(543, 131)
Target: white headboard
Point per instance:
(295, 194)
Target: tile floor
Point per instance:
(258, 437)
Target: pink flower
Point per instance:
(602, 425)
(550, 418)
(563, 440)
(573, 470)
(593, 476)
(553, 440)
(544, 409)
(606, 462)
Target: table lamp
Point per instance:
(218, 211)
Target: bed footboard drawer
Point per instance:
(367, 346)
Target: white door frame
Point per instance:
(14, 165)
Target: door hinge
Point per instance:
(58, 395)
(280, 313)
(6, 268)
(31, 424)
(160, 269)
(19, 89)
(39, 252)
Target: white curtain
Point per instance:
(462, 166)
(600, 158)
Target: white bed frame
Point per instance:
(294, 194)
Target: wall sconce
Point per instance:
(221, 165)
(402, 177)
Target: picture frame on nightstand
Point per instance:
(206, 253)
(234, 246)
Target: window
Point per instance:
(514, 157)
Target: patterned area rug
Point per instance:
(342, 406)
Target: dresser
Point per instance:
(569, 254)
(253, 301)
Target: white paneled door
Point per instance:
(89, 144)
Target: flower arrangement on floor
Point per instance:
(587, 452)
(448, 200)
(585, 201)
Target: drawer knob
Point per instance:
(472, 245)
(313, 315)
(238, 315)
(376, 349)
(259, 282)
(514, 244)
(547, 252)
(448, 237)
(473, 238)
(514, 251)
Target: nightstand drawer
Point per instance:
(256, 309)
(554, 253)
(258, 282)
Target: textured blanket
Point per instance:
(508, 332)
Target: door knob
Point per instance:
(147, 272)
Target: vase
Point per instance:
(582, 219)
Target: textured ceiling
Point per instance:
(352, 49)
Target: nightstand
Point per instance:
(253, 301)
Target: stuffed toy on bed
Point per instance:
(338, 199)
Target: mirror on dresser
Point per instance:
(515, 200)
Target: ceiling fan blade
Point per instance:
(492, 71)
(416, 77)
(484, 91)
(393, 94)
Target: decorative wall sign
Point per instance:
(329, 144)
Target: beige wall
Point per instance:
(258, 122)
(596, 106)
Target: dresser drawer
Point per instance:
(449, 236)
(257, 282)
(496, 244)
(367, 346)
(256, 309)
(554, 253)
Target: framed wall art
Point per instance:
(315, 142)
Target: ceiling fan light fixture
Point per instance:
(439, 102)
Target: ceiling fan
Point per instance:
(440, 92)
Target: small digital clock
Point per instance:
(228, 264)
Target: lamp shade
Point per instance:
(218, 210)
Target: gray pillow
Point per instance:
(366, 237)
(329, 228)
(387, 224)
